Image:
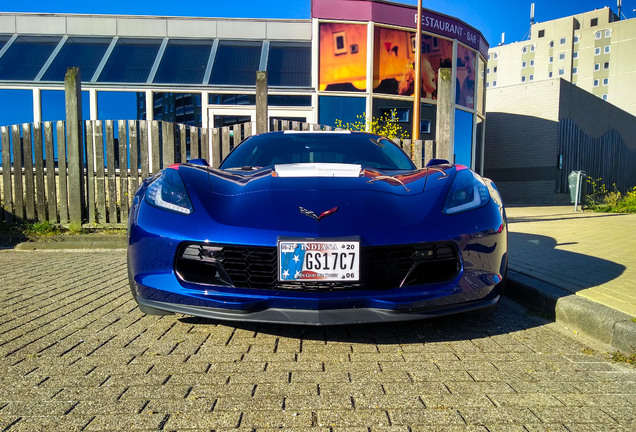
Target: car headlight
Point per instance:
(168, 192)
(467, 192)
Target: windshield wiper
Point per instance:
(245, 168)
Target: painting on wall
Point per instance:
(465, 91)
(343, 57)
(394, 62)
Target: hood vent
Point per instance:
(318, 170)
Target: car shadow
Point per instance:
(539, 257)
(509, 318)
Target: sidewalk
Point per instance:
(578, 268)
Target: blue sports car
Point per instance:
(317, 228)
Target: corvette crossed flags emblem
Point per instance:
(314, 216)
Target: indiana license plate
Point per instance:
(313, 260)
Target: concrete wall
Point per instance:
(521, 140)
(595, 116)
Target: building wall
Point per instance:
(522, 137)
(595, 117)
(521, 140)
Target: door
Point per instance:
(221, 116)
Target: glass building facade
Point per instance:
(340, 64)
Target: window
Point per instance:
(604, 97)
(541, 33)
(524, 49)
(21, 109)
(494, 83)
(130, 61)
(576, 39)
(494, 69)
(488, 71)
(607, 49)
(575, 55)
(523, 78)
(593, 22)
(606, 65)
(524, 64)
(561, 72)
(184, 108)
(3, 40)
(531, 77)
(551, 59)
(496, 56)
(551, 44)
(563, 41)
(120, 105)
(575, 70)
(550, 74)
(487, 85)
(84, 53)
(608, 33)
(597, 51)
(289, 64)
(595, 83)
(605, 81)
(531, 48)
(346, 109)
(597, 35)
(597, 66)
(26, 56)
(184, 61)
(561, 56)
(531, 63)
(236, 63)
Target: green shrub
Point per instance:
(40, 228)
(600, 199)
(387, 126)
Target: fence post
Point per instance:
(74, 141)
(444, 114)
(261, 102)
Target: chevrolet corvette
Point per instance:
(317, 228)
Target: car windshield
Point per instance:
(280, 148)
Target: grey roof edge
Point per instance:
(610, 328)
(153, 17)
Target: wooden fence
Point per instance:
(606, 158)
(118, 155)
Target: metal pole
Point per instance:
(418, 73)
(576, 195)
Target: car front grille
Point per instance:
(381, 267)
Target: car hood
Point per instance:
(319, 204)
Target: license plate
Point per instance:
(313, 260)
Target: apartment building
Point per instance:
(594, 51)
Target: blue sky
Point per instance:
(491, 17)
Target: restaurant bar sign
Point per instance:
(399, 15)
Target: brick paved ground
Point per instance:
(590, 254)
(76, 354)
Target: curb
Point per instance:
(594, 320)
(75, 242)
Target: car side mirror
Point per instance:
(437, 162)
(202, 162)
